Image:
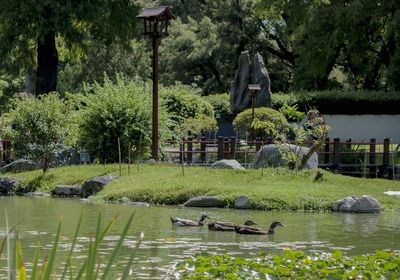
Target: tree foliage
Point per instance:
(30, 30)
(38, 127)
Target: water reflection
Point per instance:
(164, 245)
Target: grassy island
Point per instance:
(268, 189)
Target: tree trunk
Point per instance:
(47, 61)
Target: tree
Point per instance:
(38, 127)
(29, 31)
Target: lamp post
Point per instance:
(156, 27)
(254, 89)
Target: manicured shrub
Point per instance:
(269, 122)
(119, 110)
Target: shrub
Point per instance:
(118, 110)
(182, 102)
(39, 126)
(270, 122)
(291, 113)
(280, 99)
(198, 126)
(221, 104)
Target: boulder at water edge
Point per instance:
(353, 204)
(227, 164)
(241, 202)
(96, 184)
(203, 201)
(276, 155)
(67, 190)
(8, 185)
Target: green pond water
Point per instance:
(164, 245)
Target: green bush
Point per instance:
(199, 125)
(38, 127)
(269, 122)
(119, 110)
(221, 104)
(182, 102)
(9, 87)
(280, 99)
(291, 113)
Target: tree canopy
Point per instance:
(30, 31)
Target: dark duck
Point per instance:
(251, 230)
(189, 223)
(227, 226)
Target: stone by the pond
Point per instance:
(96, 184)
(275, 155)
(19, 165)
(37, 194)
(242, 202)
(203, 201)
(67, 190)
(353, 204)
(393, 193)
(8, 185)
(227, 164)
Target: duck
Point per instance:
(183, 222)
(250, 230)
(227, 226)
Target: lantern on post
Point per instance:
(156, 22)
(254, 89)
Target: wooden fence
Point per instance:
(372, 158)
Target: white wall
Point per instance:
(364, 127)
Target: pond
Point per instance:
(164, 244)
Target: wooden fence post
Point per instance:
(226, 147)
(386, 155)
(336, 152)
(220, 147)
(233, 147)
(203, 146)
(327, 150)
(189, 155)
(372, 156)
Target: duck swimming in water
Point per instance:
(227, 226)
(189, 223)
(250, 230)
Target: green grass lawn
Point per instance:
(272, 189)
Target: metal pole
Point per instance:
(154, 136)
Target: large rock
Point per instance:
(250, 73)
(8, 185)
(241, 202)
(227, 164)
(353, 204)
(276, 155)
(19, 165)
(68, 190)
(95, 185)
(203, 201)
